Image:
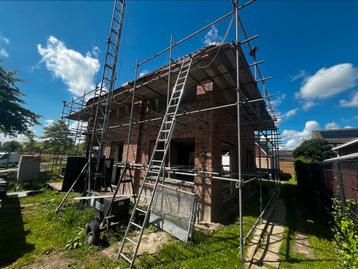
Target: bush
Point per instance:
(346, 232)
(285, 176)
(314, 150)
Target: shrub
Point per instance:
(345, 230)
(285, 176)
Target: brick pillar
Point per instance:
(203, 161)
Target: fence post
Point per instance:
(341, 195)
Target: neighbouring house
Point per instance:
(347, 148)
(286, 161)
(202, 140)
(336, 137)
(263, 156)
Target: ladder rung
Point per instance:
(141, 210)
(125, 257)
(109, 66)
(114, 31)
(161, 140)
(110, 217)
(136, 225)
(160, 150)
(157, 161)
(130, 240)
(165, 131)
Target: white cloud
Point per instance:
(143, 73)
(19, 138)
(4, 40)
(212, 37)
(76, 70)
(331, 126)
(4, 53)
(280, 117)
(291, 113)
(299, 75)
(278, 100)
(329, 81)
(95, 52)
(350, 103)
(292, 138)
(348, 127)
(307, 105)
(49, 122)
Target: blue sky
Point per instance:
(309, 48)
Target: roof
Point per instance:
(336, 136)
(220, 68)
(344, 157)
(285, 154)
(347, 144)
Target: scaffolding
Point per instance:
(254, 110)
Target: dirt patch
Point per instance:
(150, 244)
(57, 186)
(56, 260)
(264, 246)
(209, 226)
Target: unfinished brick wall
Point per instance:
(209, 130)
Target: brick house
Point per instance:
(202, 140)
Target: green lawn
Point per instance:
(29, 230)
(319, 235)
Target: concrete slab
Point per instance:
(57, 186)
(22, 194)
(264, 246)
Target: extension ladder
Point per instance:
(156, 164)
(102, 100)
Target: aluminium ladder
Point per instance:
(156, 163)
(100, 107)
(102, 100)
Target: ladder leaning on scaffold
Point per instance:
(156, 165)
(101, 102)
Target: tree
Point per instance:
(15, 118)
(314, 150)
(31, 145)
(11, 146)
(57, 137)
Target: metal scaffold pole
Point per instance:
(132, 109)
(237, 41)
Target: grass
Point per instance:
(208, 249)
(30, 229)
(319, 235)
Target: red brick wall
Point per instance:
(209, 130)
